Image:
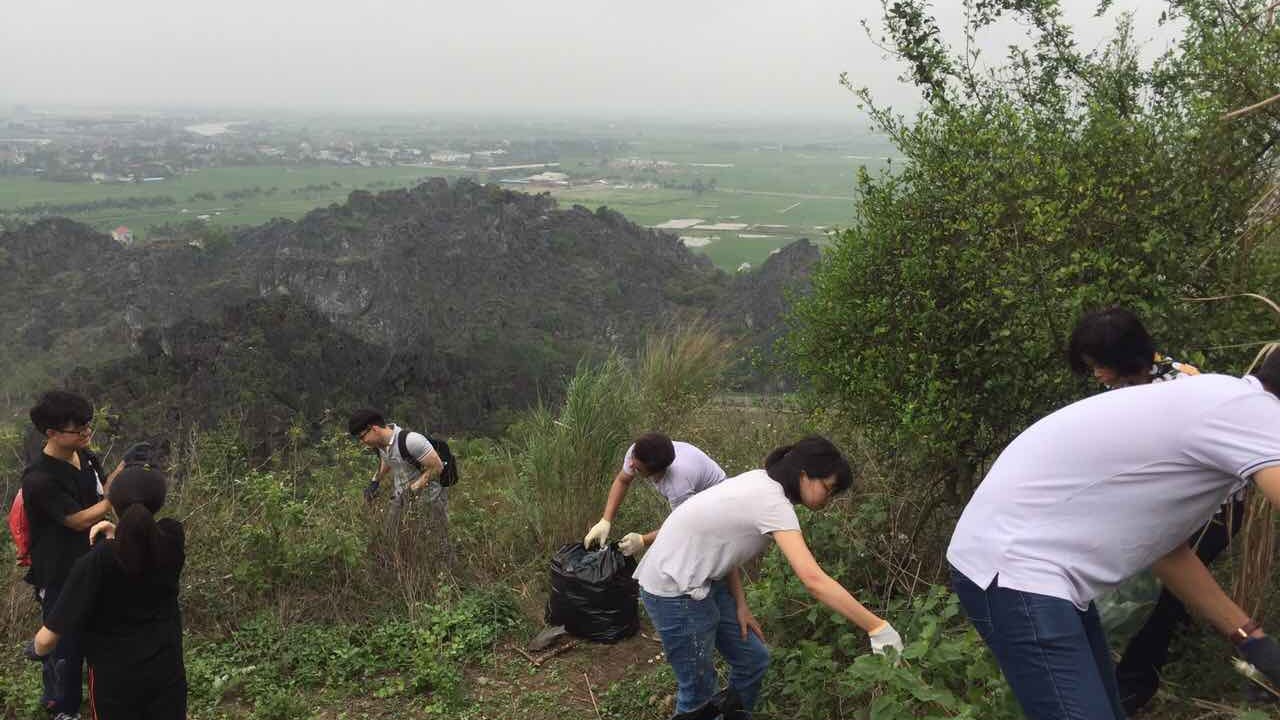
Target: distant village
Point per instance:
(142, 149)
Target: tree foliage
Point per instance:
(1034, 189)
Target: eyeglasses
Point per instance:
(82, 431)
(360, 435)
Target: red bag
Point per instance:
(20, 530)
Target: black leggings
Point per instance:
(116, 703)
(1148, 651)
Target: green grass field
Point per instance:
(17, 192)
(805, 190)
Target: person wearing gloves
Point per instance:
(370, 429)
(677, 470)
(122, 598)
(690, 581)
(1088, 497)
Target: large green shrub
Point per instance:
(1057, 183)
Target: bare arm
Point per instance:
(431, 467)
(46, 641)
(88, 517)
(617, 491)
(821, 586)
(746, 620)
(1185, 576)
(383, 469)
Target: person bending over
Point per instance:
(677, 470)
(690, 581)
(1088, 497)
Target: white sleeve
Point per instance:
(626, 462)
(1240, 437)
(711, 473)
(776, 514)
(418, 445)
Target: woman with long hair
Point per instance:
(123, 598)
(691, 585)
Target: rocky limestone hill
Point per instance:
(462, 301)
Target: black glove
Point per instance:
(29, 652)
(139, 454)
(371, 491)
(1264, 654)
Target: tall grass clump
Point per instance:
(562, 458)
(679, 371)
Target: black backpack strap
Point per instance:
(402, 442)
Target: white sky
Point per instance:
(753, 58)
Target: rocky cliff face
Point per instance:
(756, 306)
(461, 299)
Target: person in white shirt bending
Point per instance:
(1090, 496)
(677, 470)
(691, 586)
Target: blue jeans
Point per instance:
(690, 628)
(62, 669)
(1054, 656)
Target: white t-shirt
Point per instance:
(402, 470)
(691, 472)
(1101, 489)
(712, 533)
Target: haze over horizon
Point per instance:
(761, 61)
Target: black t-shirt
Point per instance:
(130, 625)
(51, 490)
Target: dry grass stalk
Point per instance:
(1251, 672)
(1257, 537)
(1251, 108)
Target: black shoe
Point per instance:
(725, 705)
(1136, 692)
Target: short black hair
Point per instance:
(655, 450)
(814, 456)
(362, 419)
(57, 408)
(1113, 338)
(1268, 371)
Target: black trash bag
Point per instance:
(724, 705)
(593, 594)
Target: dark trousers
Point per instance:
(1148, 651)
(1053, 655)
(112, 700)
(62, 669)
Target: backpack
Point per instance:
(449, 475)
(20, 530)
(20, 527)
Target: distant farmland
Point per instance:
(779, 195)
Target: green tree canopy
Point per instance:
(1032, 190)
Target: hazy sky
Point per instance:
(759, 58)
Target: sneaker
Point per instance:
(66, 716)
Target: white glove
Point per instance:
(631, 543)
(598, 534)
(885, 637)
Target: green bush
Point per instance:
(1061, 182)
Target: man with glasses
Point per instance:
(63, 494)
(413, 465)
